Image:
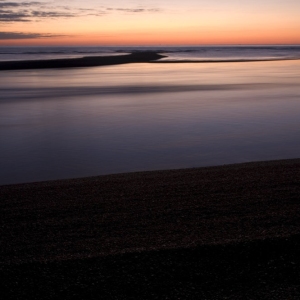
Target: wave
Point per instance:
(223, 60)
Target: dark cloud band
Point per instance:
(23, 35)
(27, 11)
(19, 4)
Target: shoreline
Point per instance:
(210, 232)
(159, 172)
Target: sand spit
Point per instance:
(134, 57)
(89, 61)
(209, 233)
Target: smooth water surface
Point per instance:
(66, 123)
(202, 53)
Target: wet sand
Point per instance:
(208, 233)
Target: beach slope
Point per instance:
(208, 233)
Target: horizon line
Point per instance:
(151, 46)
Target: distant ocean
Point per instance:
(78, 122)
(172, 53)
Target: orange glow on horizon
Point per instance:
(163, 38)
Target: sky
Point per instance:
(149, 22)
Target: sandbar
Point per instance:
(88, 61)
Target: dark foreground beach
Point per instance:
(229, 232)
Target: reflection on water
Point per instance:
(91, 121)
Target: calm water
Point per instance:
(174, 53)
(91, 121)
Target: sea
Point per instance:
(196, 107)
(203, 53)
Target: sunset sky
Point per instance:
(149, 22)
